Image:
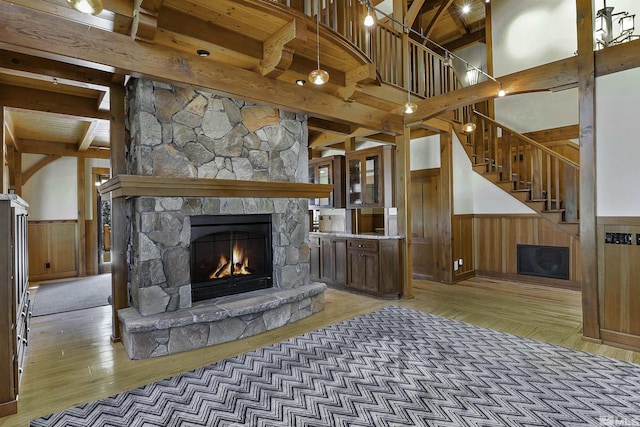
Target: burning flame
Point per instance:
(238, 266)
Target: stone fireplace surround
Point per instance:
(177, 134)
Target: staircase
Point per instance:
(537, 176)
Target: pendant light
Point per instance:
(409, 107)
(90, 7)
(368, 20)
(318, 76)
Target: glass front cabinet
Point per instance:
(328, 170)
(370, 177)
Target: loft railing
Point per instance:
(394, 54)
(549, 176)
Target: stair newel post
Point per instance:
(505, 159)
(536, 174)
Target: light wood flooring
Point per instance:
(71, 360)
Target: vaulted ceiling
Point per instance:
(58, 104)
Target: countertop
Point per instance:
(15, 198)
(356, 236)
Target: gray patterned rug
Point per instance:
(71, 295)
(392, 367)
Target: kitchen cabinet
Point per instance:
(328, 170)
(368, 265)
(14, 299)
(370, 177)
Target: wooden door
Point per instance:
(425, 208)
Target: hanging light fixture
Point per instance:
(604, 33)
(318, 76)
(409, 107)
(469, 126)
(90, 7)
(368, 20)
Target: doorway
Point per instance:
(425, 219)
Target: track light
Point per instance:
(501, 92)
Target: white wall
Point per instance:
(52, 193)
(463, 192)
(525, 35)
(618, 144)
(425, 153)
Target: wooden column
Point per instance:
(82, 218)
(588, 235)
(119, 268)
(3, 153)
(403, 202)
(446, 207)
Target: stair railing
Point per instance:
(390, 50)
(549, 176)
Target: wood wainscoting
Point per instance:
(496, 237)
(462, 237)
(618, 286)
(53, 249)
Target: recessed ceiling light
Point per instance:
(300, 82)
(203, 52)
(466, 8)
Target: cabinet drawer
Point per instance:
(363, 245)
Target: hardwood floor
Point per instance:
(71, 360)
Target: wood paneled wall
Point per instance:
(618, 285)
(53, 249)
(463, 246)
(495, 242)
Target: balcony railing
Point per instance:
(400, 61)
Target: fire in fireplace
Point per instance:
(230, 254)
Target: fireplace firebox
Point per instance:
(230, 254)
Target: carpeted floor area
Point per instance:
(391, 367)
(70, 295)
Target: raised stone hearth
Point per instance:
(184, 133)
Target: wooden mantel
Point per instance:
(139, 185)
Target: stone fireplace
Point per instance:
(180, 135)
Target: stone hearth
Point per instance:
(186, 133)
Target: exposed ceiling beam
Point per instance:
(556, 134)
(560, 73)
(413, 12)
(50, 69)
(88, 136)
(40, 100)
(467, 40)
(443, 6)
(328, 126)
(30, 146)
(278, 51)
(24, 27)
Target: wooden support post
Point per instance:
(3, 154)
(82, 218)
(446, 207)
(119, 268)
(403, 203)
(588, 232)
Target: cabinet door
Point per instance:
(314, 258)
(372, 188)
(355, 182)
(327, 259)
(363, 271)
(340, 261)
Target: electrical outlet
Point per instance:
(455, 265)
(47, 265)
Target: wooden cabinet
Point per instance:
(372, 266)
(14, 299)
(370, 175)
(328, 259)
(328, 170)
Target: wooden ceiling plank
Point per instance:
(413, 12)
(26, 175)
(30, 146)
(444, 5)
(88, 136)
(455, 16)
(24, 27)
(10, 133)
(467, 40)
(39, 100)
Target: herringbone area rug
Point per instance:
(392, 367)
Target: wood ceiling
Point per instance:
(57, 104)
